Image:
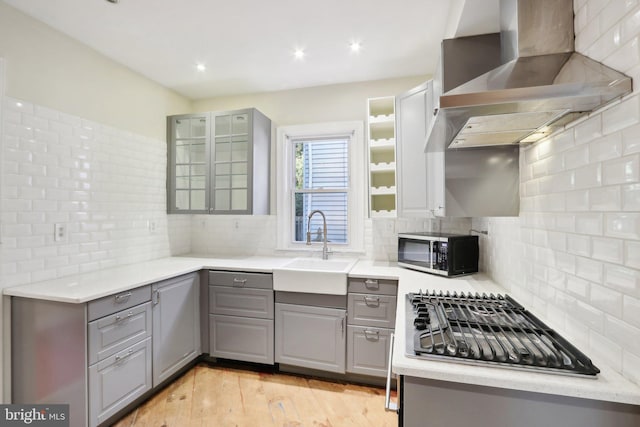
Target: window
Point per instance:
(321, 183)
(322, 168)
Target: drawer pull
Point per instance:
(239, 282)
(121, 318)
(120, 358)
(122, 298)
(372, 335)
(372, 301)
(372, 284)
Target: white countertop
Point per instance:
(608, 386)
(86, 287)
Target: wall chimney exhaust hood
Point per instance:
(542, 84)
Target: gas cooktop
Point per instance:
(488, 329)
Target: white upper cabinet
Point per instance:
(413, 114)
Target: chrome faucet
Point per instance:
(325, 250)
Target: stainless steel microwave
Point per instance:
(439, 253)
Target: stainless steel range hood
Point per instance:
(541, 85)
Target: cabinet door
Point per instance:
(232, 162)
(241, 338)
(311, 337)
(188, 163)
(368, 350)
(176, 325)
(412, 112)
(119, 380)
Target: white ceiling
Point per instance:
(247, 45)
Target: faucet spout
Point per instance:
(325, 250)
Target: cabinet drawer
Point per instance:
(119, 380)
(117, 302)
(246, 302)
(368, 350)
(373, 286)
(118, 331)
(241, 338)
(241, 280)
(372, 310)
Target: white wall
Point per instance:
(573, 255)
(333, 103)
(51, 70)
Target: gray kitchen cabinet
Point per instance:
(413, 114)
(176, 325)
(96, 357)
(118, 380)
(219, 162)
(311, 337)
(372, 314)
(241, 311)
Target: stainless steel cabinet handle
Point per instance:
(372, 301)
(342, 326)
(371, 334)
(120, 358)
(388, 404)
(121, 318)
(122, 298)
(372, 284)
(155, 297)
(239, 282)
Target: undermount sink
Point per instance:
(314, 276)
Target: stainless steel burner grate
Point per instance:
(489, 329)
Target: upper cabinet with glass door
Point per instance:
(237, 152)
(188, 161)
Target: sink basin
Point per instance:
(314, 276)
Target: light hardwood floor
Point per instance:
(227, 397)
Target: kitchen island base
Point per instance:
(442, 403)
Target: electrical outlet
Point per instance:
(151, 225)
(59, 232)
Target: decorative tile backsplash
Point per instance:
(103, 186)
(573, 255)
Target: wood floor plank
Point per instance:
(214, 396)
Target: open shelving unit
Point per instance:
(381, 125)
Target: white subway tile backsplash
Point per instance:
(607, 300)
(605, 199)
(623, 225)
(605, 148)
(577, 287)
(578, 244)
(588, 176)
(589, 269)
(604, 349)
(630, 197)
(589, 223)
(631, 311)
(626, 280)
(631, 366)
(611, 250)
(52, 170)
(631, 140)
(620, 331)
(588, 130)
(621, 171)
(624, 59)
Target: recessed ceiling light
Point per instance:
(298, 53)
(201, 67)
(355, 47)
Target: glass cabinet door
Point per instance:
(231, 162)
(189, 163)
